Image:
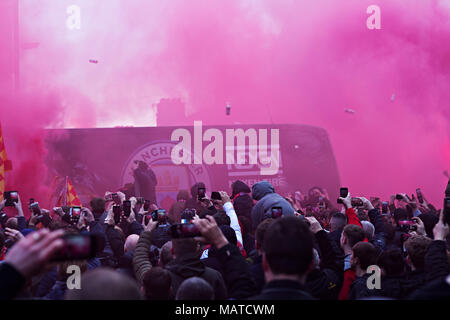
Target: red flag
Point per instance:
(68, 195)
(72, 197)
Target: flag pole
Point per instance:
(65, 191)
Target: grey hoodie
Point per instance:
(265, 194)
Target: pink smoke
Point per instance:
(274, 61)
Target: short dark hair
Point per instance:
(416, 247)
(195, 288)
(12, 223)
(400, 214)
(261, 231)
(391, 261)
(340, 216)
(222, 218)
(353, 233)
(366, 252)
(288, 246)
(183, 246)
(156, 283)
(98, 205)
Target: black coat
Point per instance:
(325, 283)
(236, 272)
(11, 282)
(189, 266)
(257, 272)
(438, 289)
(283, 290)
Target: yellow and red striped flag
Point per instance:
(72, 197)
(5, 164)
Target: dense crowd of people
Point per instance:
(250, 244)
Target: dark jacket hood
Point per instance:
(194, 189)
(261, 189)
(187, 266)
(238, 186)
(183, 194)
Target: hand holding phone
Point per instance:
(357, 202)
(126, 208)
(34, 207)
(201, 193)
(446, 210)
(385, 207)
(343, 193)
(117, 210)
(11, 197)
(277, 212)
(75, 214)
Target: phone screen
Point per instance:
(77, 247)
(75, 213)
(343, 192)
(35, 208)
(277, 212)
(127, 208)
(419, 196)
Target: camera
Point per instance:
(77, 247)
(184, 230)
(159, 215)
(399, 197)
(407, 225)
(188, 214)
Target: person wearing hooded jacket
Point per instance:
(242, 201)
(265, 194)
